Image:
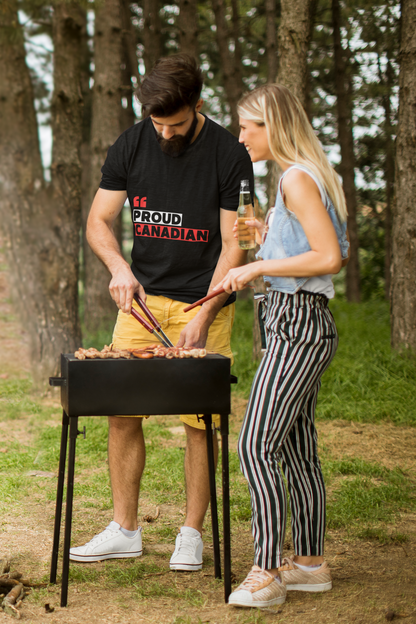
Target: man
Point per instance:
(181, 173)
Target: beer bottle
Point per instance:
(246, 234)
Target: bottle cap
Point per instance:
(245, 185)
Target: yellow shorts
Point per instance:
(130, 333)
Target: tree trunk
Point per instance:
(388, 176)
(293, 43)
(271, 40)
(129, 68)
(403, 293)
(294, 36)
(152, 39)
(41, 224)
(130, 43)
(343, 89)
(188, 27)
(233, 84)
(99, 309)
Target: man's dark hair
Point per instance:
(174, 82)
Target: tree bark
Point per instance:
(129, 67)
(388, 176)
(152, 39)
(233, 84)
(41, 224)
(130, 42)
(188, 27)
(107, 113)
(271, 40)
(403, 293)
(346, 142)
(294, 35)
(293, 43)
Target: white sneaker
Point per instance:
(109, 544)
(188, 550)
(259, 589)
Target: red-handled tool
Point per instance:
(207, 298)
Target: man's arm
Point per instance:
(196, 332)
(105, 208)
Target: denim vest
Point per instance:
(286, 237)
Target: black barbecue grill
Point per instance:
(111, 387)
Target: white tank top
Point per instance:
(321, 284)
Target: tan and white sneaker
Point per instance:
(259, 589)
(319, 580)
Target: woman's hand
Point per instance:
(238, 278)
(251, 223)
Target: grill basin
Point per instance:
(158, 386)
(111, 387)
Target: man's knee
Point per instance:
(194, 435)
(122, 426)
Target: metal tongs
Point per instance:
(154, 328)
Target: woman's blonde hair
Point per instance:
(291, 136)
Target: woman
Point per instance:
(305, 244)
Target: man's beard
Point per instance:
(178, 143)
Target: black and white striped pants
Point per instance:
(279, 426)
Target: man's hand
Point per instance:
(195, 333)
(105, 208)
(123, 286)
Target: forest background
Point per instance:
(68, 71)
(68, 74)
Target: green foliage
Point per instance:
(15, 398)
(362, 500)
(242, 346)
(367, 381)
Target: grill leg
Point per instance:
(214, 510)
(59, 497)
(73, 432)
(226, 506)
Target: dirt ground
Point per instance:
(373, 582)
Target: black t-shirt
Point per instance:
(175, 204)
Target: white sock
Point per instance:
(310, 568)
(128, 533)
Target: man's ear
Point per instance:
(199, 105)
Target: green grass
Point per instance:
(365, 494)
(242, 347)
(367, 381)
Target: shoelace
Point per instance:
(254, 578)
(184, 546)
(101, 536)
(287, 562)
